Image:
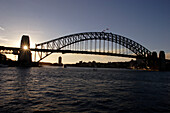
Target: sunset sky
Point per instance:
(144, 21)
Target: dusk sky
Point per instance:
(144, 21)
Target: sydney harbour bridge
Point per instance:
(97, 43)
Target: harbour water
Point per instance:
(103, 90)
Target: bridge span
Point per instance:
(97, 43)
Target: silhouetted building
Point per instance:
(60, 60)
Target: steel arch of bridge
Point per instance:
(59, 43)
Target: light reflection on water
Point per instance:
(83, 90)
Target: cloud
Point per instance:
(3, 39)
(1, 28)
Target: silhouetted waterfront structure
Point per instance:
(2, 59)
(101, 65)
(24, 57)
(162, 62)
(60, 61)
(158, 63)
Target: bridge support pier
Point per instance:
(24, 57)
(157, 63)
(154, 61)
(162, 62)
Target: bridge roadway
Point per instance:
(16, 49)
(71, 51)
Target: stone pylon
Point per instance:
(162, 62)
(24, 57)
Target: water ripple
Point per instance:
(51, 89)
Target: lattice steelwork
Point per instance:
(94, 41)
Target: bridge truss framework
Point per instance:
(100, 43)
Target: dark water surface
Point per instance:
(83, 90)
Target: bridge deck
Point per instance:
(70, 51)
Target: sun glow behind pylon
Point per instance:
(25, 47)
